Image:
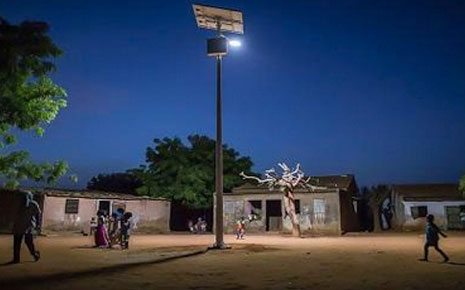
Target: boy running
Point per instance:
(432, 238)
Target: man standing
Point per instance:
(25, 225)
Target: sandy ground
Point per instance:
(362, 261)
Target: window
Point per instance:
(419, 211)
(72, 206)
(319, 210)
(255, 209)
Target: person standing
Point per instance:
(25, 226)
(240, 229)
(125, 230)
(102, 239)
(432, 238)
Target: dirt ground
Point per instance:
(358, 261)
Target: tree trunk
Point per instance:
(289, 205)
(376, 217)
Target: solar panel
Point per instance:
(227, 20)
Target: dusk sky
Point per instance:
(372, 88)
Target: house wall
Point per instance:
(237, 205)
(54, 217)
(437, 208)
(152, 215)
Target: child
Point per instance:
(240, 229)
(115, 229)
(125, 230)
(432, 238)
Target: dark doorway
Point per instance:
(104, 206)
(181, 214)
(274, 215)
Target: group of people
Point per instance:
(200, 227)
(112, 230)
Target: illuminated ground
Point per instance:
(362, 261)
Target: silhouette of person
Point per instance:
(24, 226)
(432, 238)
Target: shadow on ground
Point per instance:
(89, 272)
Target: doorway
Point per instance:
(104, 206)
(274, 215)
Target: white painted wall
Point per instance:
(436, 208)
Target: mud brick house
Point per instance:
(72, 210)
(332, 210)
(411, 203)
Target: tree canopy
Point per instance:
(29, 99)
(186, 173)
(121, 182)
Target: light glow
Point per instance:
(235, 43)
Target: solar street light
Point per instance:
(221, 20)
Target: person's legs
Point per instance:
(124, 241)
(29, 240)
(446, 258)
(426, 246)
(127, 242)
(17, 239)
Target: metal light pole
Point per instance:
(219, 243)
(221, 20)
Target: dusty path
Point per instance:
(259, 262)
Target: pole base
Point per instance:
(221, 246)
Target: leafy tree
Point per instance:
(29, 99)
(122, 182)
(186, 174)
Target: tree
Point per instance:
(287, 182)
(185, 174)
(29, 99)
(122, 182)
(376, 196)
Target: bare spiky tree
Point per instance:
(287, 182)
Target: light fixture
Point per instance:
(235, 43)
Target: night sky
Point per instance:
(373, 88)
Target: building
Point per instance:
(326, 211)
(411, 203)
(72, 210)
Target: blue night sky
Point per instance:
(373, 89)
